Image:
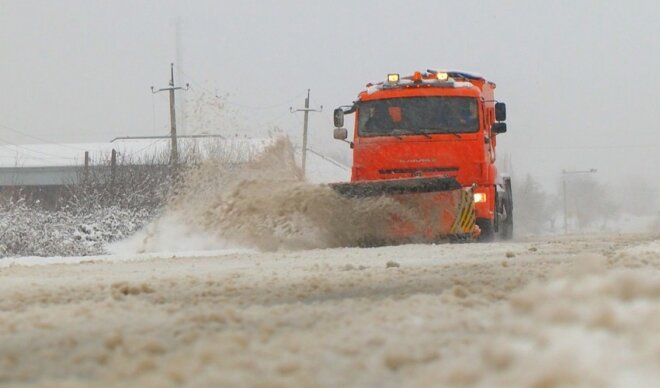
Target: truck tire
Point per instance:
(506, 225)
(506, 228)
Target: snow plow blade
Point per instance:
(431, 209)
(396, 186)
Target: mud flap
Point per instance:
(465, 215)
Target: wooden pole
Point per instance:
(113, 167)
(86, 169)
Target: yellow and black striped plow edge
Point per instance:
(465, 215)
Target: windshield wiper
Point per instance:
(425, 133)
(400, 131)
(409, 132)
(453, 133)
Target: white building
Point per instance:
(41, 165)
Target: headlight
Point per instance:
(479, 197)
(393, 78)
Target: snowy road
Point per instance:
(544, 312)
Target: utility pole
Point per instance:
(113, 168)
(564, 174)
(305, 123)
(563, 184)
(174, 153)
(178, 44)
(86, 170)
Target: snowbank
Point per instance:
(33, 231)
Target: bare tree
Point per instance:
(589, 201)
(534, 209)
(637, 196)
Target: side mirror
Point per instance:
(500, 111)
(498, 128)
(339, 118)
(340, 133)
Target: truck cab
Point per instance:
(431, 124)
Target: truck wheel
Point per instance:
(506, 232)
(506, 225)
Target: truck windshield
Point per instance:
(417, 115)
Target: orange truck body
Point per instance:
(466, 156)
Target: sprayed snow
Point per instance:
(171, 234)
(320, 170)
(266, 205)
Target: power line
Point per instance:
(34, 157)
(137, 152)
(35, 151)
(38, 138)
(329, 159)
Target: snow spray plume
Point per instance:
(266, 204)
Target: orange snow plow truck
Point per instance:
(428, 141)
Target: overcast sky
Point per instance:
(580, 78)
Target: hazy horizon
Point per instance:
(579, 79)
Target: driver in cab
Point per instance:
(379, 120)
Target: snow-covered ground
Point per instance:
(245, 279)
(576, 310)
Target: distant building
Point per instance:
(46, 169)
